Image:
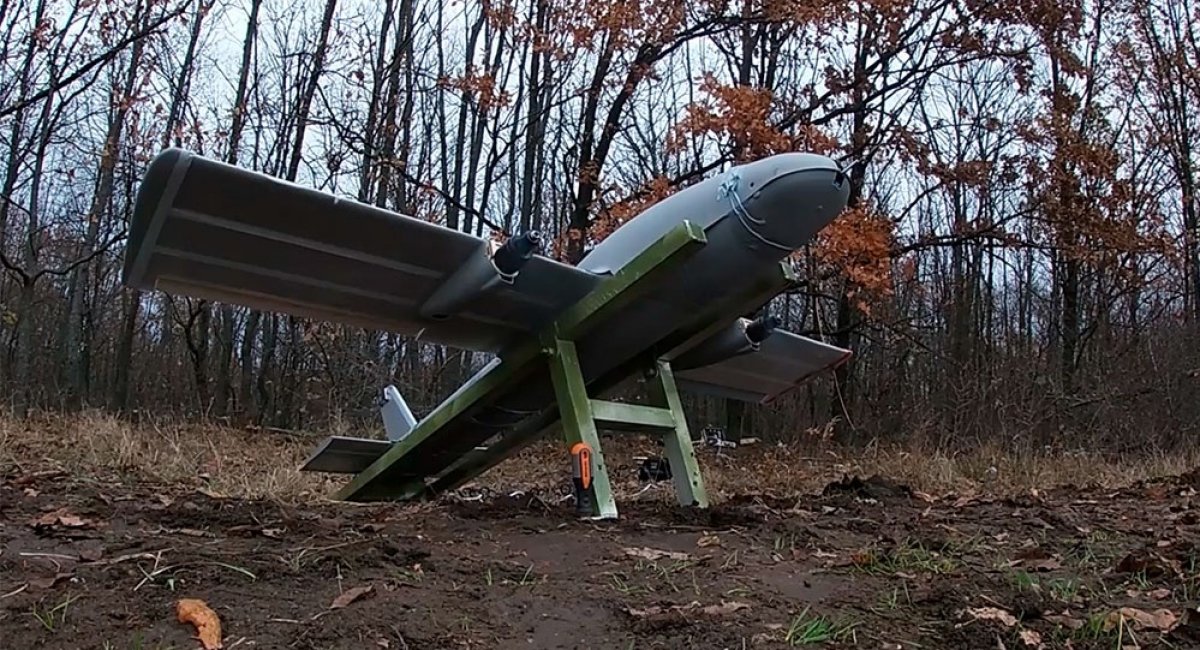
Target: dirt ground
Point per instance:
(102, 562)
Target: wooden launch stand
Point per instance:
(424, 461)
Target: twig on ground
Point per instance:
(16, 591)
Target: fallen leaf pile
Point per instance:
(204, 619)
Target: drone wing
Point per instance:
(782, 362)
(215, 231)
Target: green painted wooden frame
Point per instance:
(581, 415)
(384, 479)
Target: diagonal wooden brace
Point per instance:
(404, 471)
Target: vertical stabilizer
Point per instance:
(398, 420)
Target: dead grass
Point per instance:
(235, 462)
(260, 464)
(786, 471)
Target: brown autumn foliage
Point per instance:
(481, 87)
(737, 115)
(859, 245)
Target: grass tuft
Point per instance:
(808, 629)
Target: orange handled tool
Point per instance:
(581, 470)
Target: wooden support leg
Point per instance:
(685, 470)
(578, 423)
(404, 469)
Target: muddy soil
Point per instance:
(91, 563)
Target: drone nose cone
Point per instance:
(786, 199)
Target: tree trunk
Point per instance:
(534, 130)
(15, 153)
(246, 397)
(371, 131)
(226, 338)
(310, 89)
(76, 338)
(26, 325)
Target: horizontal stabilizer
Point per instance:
(209, 230)
(341, 455)
(344, 455)
(782, 362)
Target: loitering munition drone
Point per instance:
(664, 298)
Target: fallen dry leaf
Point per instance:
(1046, 565)
(1031, 638)
(652, 554)
(1037, 559)
(349, 596)
(993, 614)
(206, 622)
(1152, 565)
(212, 494)
(91, 554)
(657, 611)
(50, 582)
(1065, 621)
(61, 517)
(963, 501)
(1189, 626)
(1160, 594)
(22, 481)
(645, 613)
(1157, 492)
(724, 608)
(708, 539)
(1162, 620)
(863, 558)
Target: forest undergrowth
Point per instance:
(254, 462)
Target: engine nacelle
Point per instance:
(742, 337)
(480, 274)
(515, 253)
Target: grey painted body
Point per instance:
(214, 231)
(754, 216)
(788, 198)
